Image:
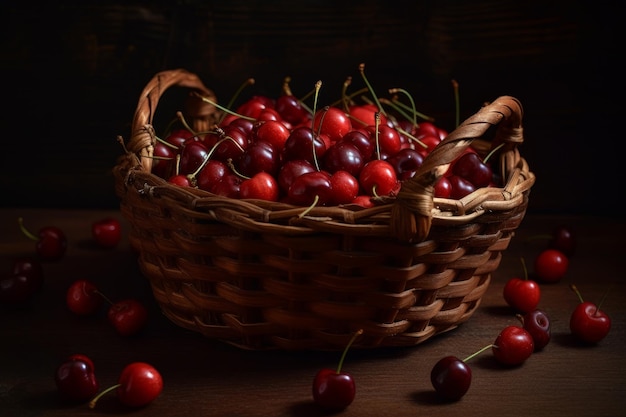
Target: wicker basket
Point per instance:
(260, 276)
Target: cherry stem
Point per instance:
(92, 403)
(28, 233)
(318, 86)
(457, 103)
(403, 108)
(308, 209)
(344, 96)
(104, 297)
(575, 289)
(371, 90)
(180, 117)
(525, 269)
(494, 150)
(406, 93)
(345, 351)
(232, 166)
(224, 109)
(410, 136)
(377, 124)
(478, 352)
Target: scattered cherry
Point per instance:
(537, 323)
(522, 294)
(83, 298)
(127, 316)
(588, 323)
(451, 377)
(51, 241)
(334, 389)
(75, 379)
(107, 232)
(513, 346)
(139, 384)
(22, 281)
(551, 265)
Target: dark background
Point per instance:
(73, 73)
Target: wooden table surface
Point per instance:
(209, 378)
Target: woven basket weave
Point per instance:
(259, 275)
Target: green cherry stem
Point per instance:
(28, 233)
(224, 109)
(371, 90)
(478, 352)
(345, 351)
(318, 86)
(457, 103)
(92, 403)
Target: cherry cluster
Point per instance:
(281, 150)
(139, 383)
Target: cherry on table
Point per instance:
(537, 323)
(51, 242)
(75, 379)
(107, 232)
(588, 323)
(83, 298)
(551, 265)
(513, 346)
(332, 388)
(522, 294)
(127, 316)
(139, 384)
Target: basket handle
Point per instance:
(411, 215)
(201, 115)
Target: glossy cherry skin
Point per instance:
(406, 162)
(364, 115)
(460, 187)
(107, 232)
(291, 109)
(332, 390)
(523, 295)
(537, 323)
(388, 139)
(345, 188)
(471, 167)
(378, 177)
(25, 278)
(51, 243)
(513, 346)
(140, 384)
(83, 298)
(128, 316)
(261, 186)
(301, 143)
(192, 155)
(307, 187)
(343, 156)
(291, 170)
(212, 173)
(274, 133)
(451, 378)
(551, 265)
(588, 323)
(442, 188)
(333, 122)
(76, 380)
(361, 139)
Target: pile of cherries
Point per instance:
(280, 150)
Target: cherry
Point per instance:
(513, 346)
(228, 187)
(274, 133)
(291, 170)
(406, 162)
(451, 377)
(254, 106)
(460, 187)
(311, 188)
(107, 232)
(24, 279)
(262, 186)
(334, 389)
(212, 173)
(537, 323)
(127, 316)
(333, 122)
(192, 156)
(551, 265)
(51, 241)
(343, 156)
(360, 139)
(378, 178)
(473, 169)
(291, 109)
(430, 142)
(345, 188)
(300, 145)
(388, 138)
(83, 298)
(588, 323)
(522, 294)
(364, 115)
(75, 379)
(443, 188)
(164, 157)
(138, 385)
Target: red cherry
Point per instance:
(471, 167)
(563, 239)
(51, 242)
(406, 162)
(83, 298)
(212, 173)
(192, 156)
(388, 139)
(107, 232)
(128, 316)
(274, 133)
(588, 323)
(301, 143)
(25, 278)
(164, 159)
(334, 389)
(291, 109)
(291, 170)
(443, 188)
(460, 187)
(311, 188)
(261, 186)
(360, 139)
(513, 346)
(522, 294)
(537, 323)
(378, 178)
(139, 384)
(345, 188)
(551, 265)
(259, 157)
(333, 122)
(343, 156)
(75, 379)
(451, 377)
(365, 115)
